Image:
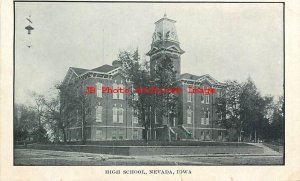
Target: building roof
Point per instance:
(165, 30)
(200, 78)
(104, 68)
(79, 71)
(189, 76)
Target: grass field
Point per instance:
(51, 158)
(159, 143)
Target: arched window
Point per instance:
(99, 89)
(120, 113)
(121, 86)
(189, 96)
(115, 114)
(115, 95)
(99, 113)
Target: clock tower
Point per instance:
(165, 43)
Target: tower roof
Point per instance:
(165, 30)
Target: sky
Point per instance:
(225, 40)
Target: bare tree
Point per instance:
(74, 104)
(39, 109)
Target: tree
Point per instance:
(164, 76)
(74, 103)
(67, 104)
(83, 107)
(228, 107)
(53, 117)
(253, 111)
(40, 133)
(24, 122)
(138, 74)
(277, 120)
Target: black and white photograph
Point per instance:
(149, 84)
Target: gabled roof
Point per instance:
(197, 78)
(189, 76)
(79, 71)
(104, 68)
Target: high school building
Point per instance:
(111, 117)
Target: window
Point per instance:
(120, 113)
(121, 94)
(189, 96)
(207, 117)
(203, 116)
(134, 116)
(207, 134)
(155, 119)
(98, 134)
(189, 116)
(88, 107)
(202, 135)
(114, 131)
(206, 98)
(120, 134)
(202, 98)
(99, 114)
(77, 135)
(115, 115)
(135, 135)
(99, 89)
(115, 95)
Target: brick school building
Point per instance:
(110, 116)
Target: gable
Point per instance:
(71, 75)
(207, 78)
(174, 48)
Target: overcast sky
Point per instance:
(225, 40)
